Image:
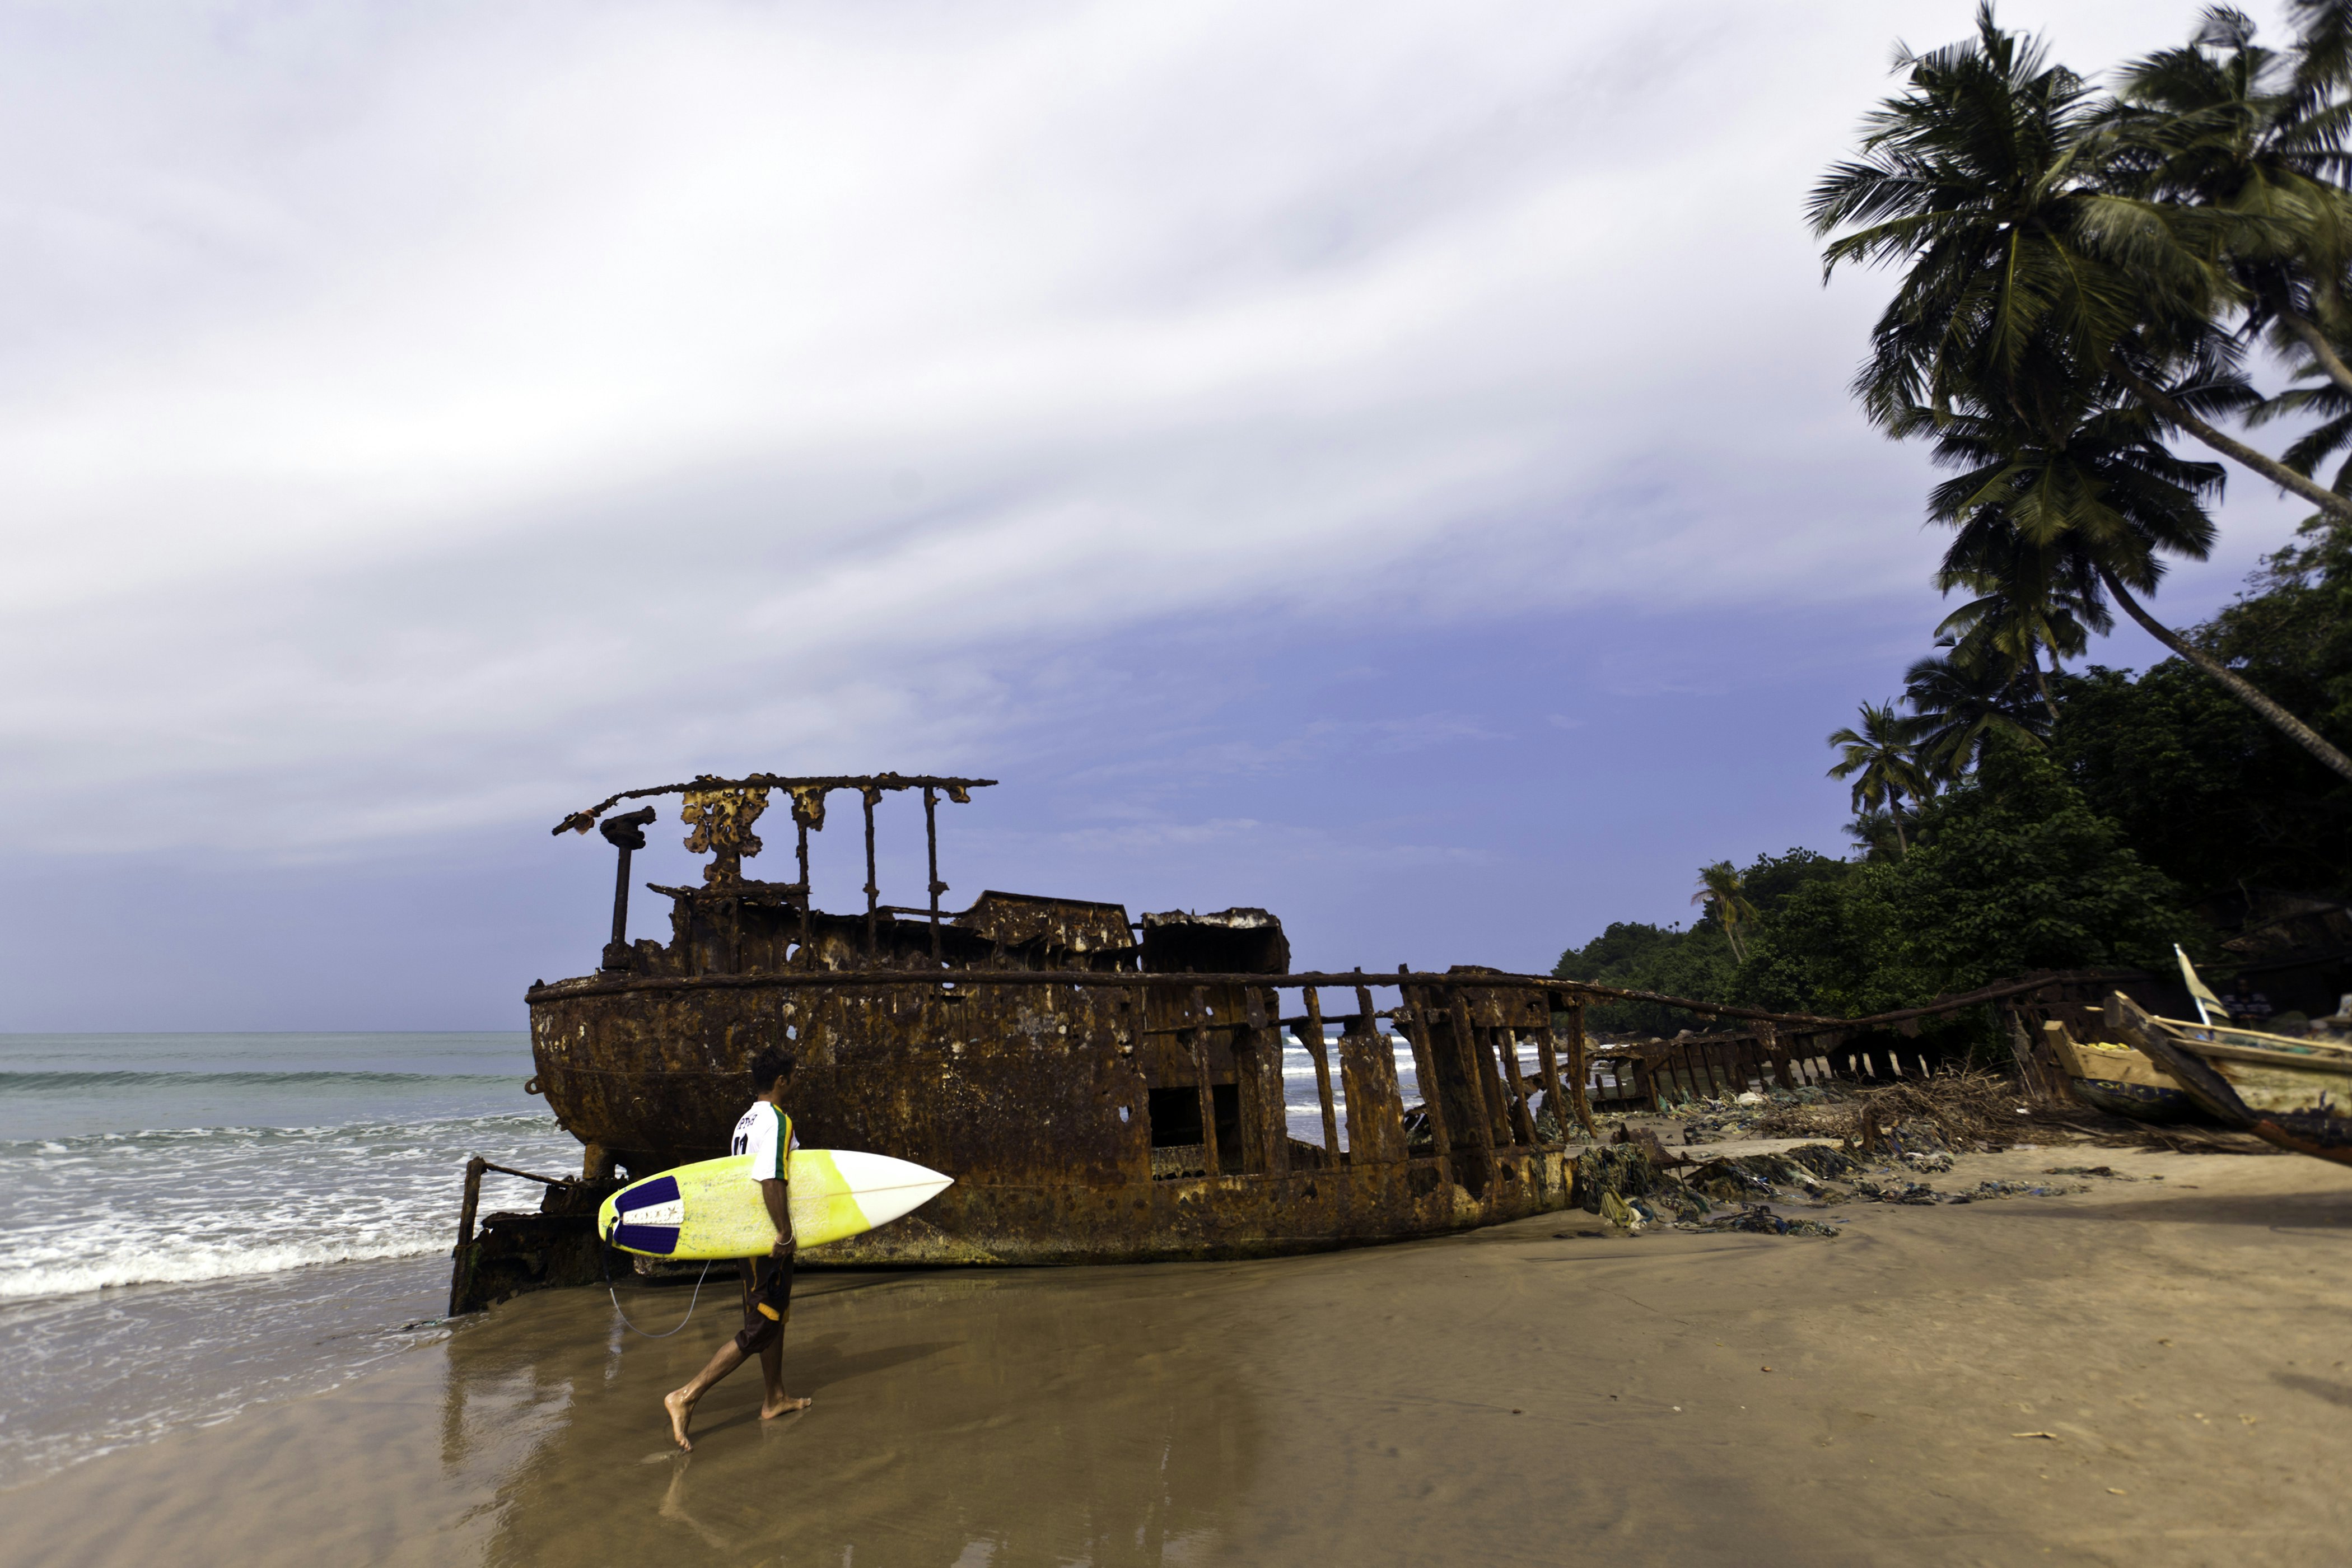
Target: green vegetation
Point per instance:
(2217, 800)
(2085, 277)
(2011, 871)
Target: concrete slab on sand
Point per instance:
(1503, 1397)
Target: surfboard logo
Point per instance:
(672, 1212)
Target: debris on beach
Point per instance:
(1637, 1186)
(1983, 1190)
(1749, 1178)
(1897, 1192)
(1762, 1221)
(1951, 1112)
(1617, 1169)
(1745, 1115)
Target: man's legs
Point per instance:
(763, 1334)
(772, 1372)
(681, 1402)
(772, 1300)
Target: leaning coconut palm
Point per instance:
(2233, 152)
(1879, 757)
(1720, 888)
(2326, 402)
(2026, 257)
(1962, 703)
(2102, 491)
(2028, 600)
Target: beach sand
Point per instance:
(1510, 1395)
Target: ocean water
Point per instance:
(1303, 1108)
(196, 1222)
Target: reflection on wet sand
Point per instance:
(959, 1419)
(1512, 1395)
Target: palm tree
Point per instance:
(2000, 182)
(2051, 328)
(1962, 703)
(1874, 833)
(2331, 404)
(2028, 600)
(2235, 150)
(2107, 497)
(1879, 758)
(1719, 885)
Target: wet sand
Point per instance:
(1512, 1395)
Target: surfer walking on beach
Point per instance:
(765, 1134)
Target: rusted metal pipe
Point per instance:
(873, 889)
(1493, 1129)
(626, 833)
(1482, 1126)
(620, 906)
(808, 899)
(1506, 1043)
(1547, 1063)
(1416, 1030)
(1313, 1040)
(932, 843)
(1201, 1073)
(958, 790)
(1580, 1049)
(474, 1169)
(1566, 990)
(1375, 1109)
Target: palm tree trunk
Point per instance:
(1895, 815)
(2322, 351)
(2270, 467)
(2041, 681)
(2237, 685)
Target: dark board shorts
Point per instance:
(767, 1301)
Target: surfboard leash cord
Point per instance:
(605, 1258)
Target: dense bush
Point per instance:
(2154, 806)
(2009, 873)
(2205, 790)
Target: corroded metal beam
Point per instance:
(1567, 992)
(957, 789)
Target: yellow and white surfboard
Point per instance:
(713, 1209)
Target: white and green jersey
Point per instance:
(765, 1134)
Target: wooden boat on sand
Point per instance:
(2294, 1093)
(2117, 1080)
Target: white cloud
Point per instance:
(414, 417)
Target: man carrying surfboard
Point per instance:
(765, 1134)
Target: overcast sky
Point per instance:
(1387, 463)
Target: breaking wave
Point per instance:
(11, 1082)
(178, 1205)
(183, 1265)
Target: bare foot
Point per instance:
(783, 1408)
(681, 1411)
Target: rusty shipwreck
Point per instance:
(1101, 1089)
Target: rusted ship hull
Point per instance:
(1199, 1218)
(1070, 1113)
(1101, 1089)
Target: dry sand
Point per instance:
(1507, 1396)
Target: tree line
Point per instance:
(2089, 280)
